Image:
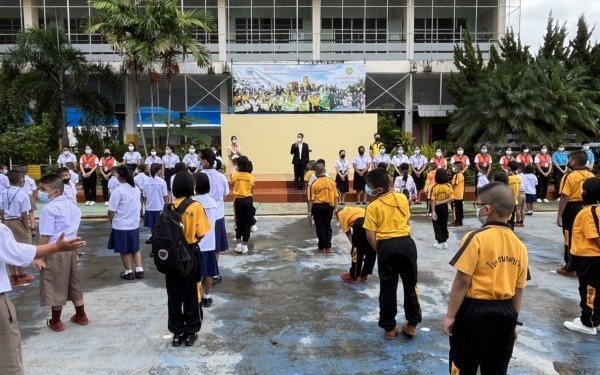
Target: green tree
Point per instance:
(27, 144)
(579, 53)
(43, 69)
(554, 46)
(469, 61)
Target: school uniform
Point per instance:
(20, 255)
(139, 181)
(323, 194)
(458, 190)
(74, 176)
(106, 164)
(29, 187)
(544, 161)
(440, 162)
(155, 192)
(113, 184)
(388, 217)
(559, 159)
(125, 203)
(585, 257)
(208, 255)
(152, 160)
(484, 161)
(408, 187)
(397, 161)
(243, 207)
(191, 161)
(483, 333)
(428, 185)
(343, 166)
(571, 187)
(363, 255)
(504, 160)
(60, 281)
(169, 162)
(529, 183)
(464, 159)
(4, 183)
(515, 183)
(64, 159)
(440, 192)
(131, 160)
(219, 189)
(525, 159)
(385, 158)
(87, 163)
(70, 191)
(374, 148)
(418, 162)
(360, 164)
(13, 203)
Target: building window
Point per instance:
(438, 30)
(354, 30)
(266, 30)
(9, 28)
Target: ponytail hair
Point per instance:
(125, 173)
(404, 170)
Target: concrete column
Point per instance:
(500, 19)
(30, 13)
(316, 29)
(408, 113)
(131, 119)
(222, 29)
(409, 30)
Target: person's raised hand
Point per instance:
(70, 244)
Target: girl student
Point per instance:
(156, 196)
(169, 160)
(405, 184)
(342, 167)
(242, 183)
(132, 158)
(124, 215)
(439, 195)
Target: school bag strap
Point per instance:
(595, 216)
(184, 205)
(462, 249)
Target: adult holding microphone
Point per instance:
(300, 152)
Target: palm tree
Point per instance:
(43, 69)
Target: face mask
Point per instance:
(65, 153)
(130, 148)
(508, 152)
(481, 219)
(361, 153)
(400, 152)
(377, 138)
(88, 151)
(454, 169)
(417, 152)
(544, 151)
(153, 153)
(369, 191)
(561, 149)
(484, 151)
(66, 181)
(526, 151)
(460, 152)
(107, 154)
(299, 140)
(234, 141)
(382, 151)
(43, 197)
(585, 148)
(342, 156)
(192, 151)
(438, 154)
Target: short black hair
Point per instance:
(524, 147)
(208, 155)
(404, 167)
(591, 191)
(243, 164)
(233, 136)
(458, 165)
(441, 176)
(141, 167)
(321, 161)
(62, 170)
(54, 181)
(498, 195)
(580, 158)
(382, 165)
(183, 185)
(501, 177)
(529, 168)
(70, 164)
(378, 178)
(15, 176)
(154, 169)
(180, 167)
(513, 165)
(125, 173)
(202, 183)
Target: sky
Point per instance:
(534, 17)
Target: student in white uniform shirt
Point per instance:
(66, 157)
(113, 182)
(70, 191)
(12, 252)
(139, 180)
(132, 158)
(382, 157)
(124, 215)
(361, 165)
(342, 168)
(4, 184)
(191, 160)
(156, 196)
(74, 175)
(399, 159)
(152, 159)
(14, 213)
(168, 163)
(29, 187)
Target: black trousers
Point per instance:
(322, 214)
(588, 272)
(568, 218)
(440, 226)
(299, 170)
(168, 173)
(89, 186)
(244, 217)
(105, 191)
(458, 211)
(512, 218)
(558, 175)
(397, 257)
(483, 337)
(541, 189)
(182, 293)
(363, 255)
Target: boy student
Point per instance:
(530, 181)
(439, 195)
(486, 294)
(386, 223)
(70, 191)
(571, 203)
(59, 276)
(12, 252)
(14, 214)
(322, 201)
(458, 189)
(74, 176)
(351, 221)
(585, 256)
(29, 187)
(515, 183)
(313, 177)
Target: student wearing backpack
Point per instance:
(184, 312)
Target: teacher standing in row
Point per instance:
(300, 152)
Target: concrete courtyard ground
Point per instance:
(283, 309)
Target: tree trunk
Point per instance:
(169, 89)
(63, 113)
(137, 105)
(152, 112)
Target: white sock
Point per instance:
(139, 269)
(127, 271)
(206, 295)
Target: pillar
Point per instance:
(30, 13)
(131, 112)
(409, 29)
(500, 19)
(316, 29)
(408, 101)
(222, 29)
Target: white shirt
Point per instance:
(361, 162)
(314, 177)
(219, 189)
(140, 180)
(132, 157)
(74, 177)
(155, 191)
(300, 145)
(191, 160)
(169, 161)
(29, 186)
(342, 165)
(397, 160)
(417, 161)
(125, 203)
(4, 183)
(172, 196)
(385, 158)
(14, 202)
(60, 215)
(153, 160)
(64, 159)
(113, 183)
(13, 253)
(208, 242)
(71, 192)
(528, 182)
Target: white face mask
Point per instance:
(400, 152)
(88, 151)
(153, 153)
(417, 152)
(234, 141)
(460, 152)
(526, 151)
(192, 151)
(438, 154)
(544, 151)
(585, 148)
(561, 149)
(482, 219)
(508, 152)
(65, 153)
(131, 148)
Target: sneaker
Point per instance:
(139, 274)
(391, 334)
(106, 203)
(23, 279)
(92, 203)
(87, 203)
(445, 245)
(563, 271)
(191, 339)
(254, 228)
(56, 327)
(126, 276)
(206, 302)
(557, 199)
(81, 320)
(539, 200)
(577, 326)
(244, 248)
(364, 278)
(529, 213)
(349, 279)
(238, 248)
(177, 339)
(409, 329)
(438, 246)
(546, 200)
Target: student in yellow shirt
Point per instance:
(322, 201)
(571, 203)
(585, 257)
(429, 183)
(458, 190)
(439, 195)
(242, 183)
(388, 231)
(184, 311)
(363, 255)
(515, 183)
(485, 300)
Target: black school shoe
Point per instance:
(128, 276)
(139, 275)
(191, 339)
(177, 339)
(207, 302)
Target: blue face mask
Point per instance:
(369, 191)
(43, 197)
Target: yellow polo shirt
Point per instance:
(458, 186)
(348, 216)
(323, 190)
(195, 222)
(585, 232)
(571, 184)
(388, 216)
(242, 182)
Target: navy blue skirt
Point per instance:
(124, 241)
(208, 263)
(221, 243)
(151, 218)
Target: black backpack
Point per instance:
(172, 254)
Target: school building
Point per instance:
(406, 47)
